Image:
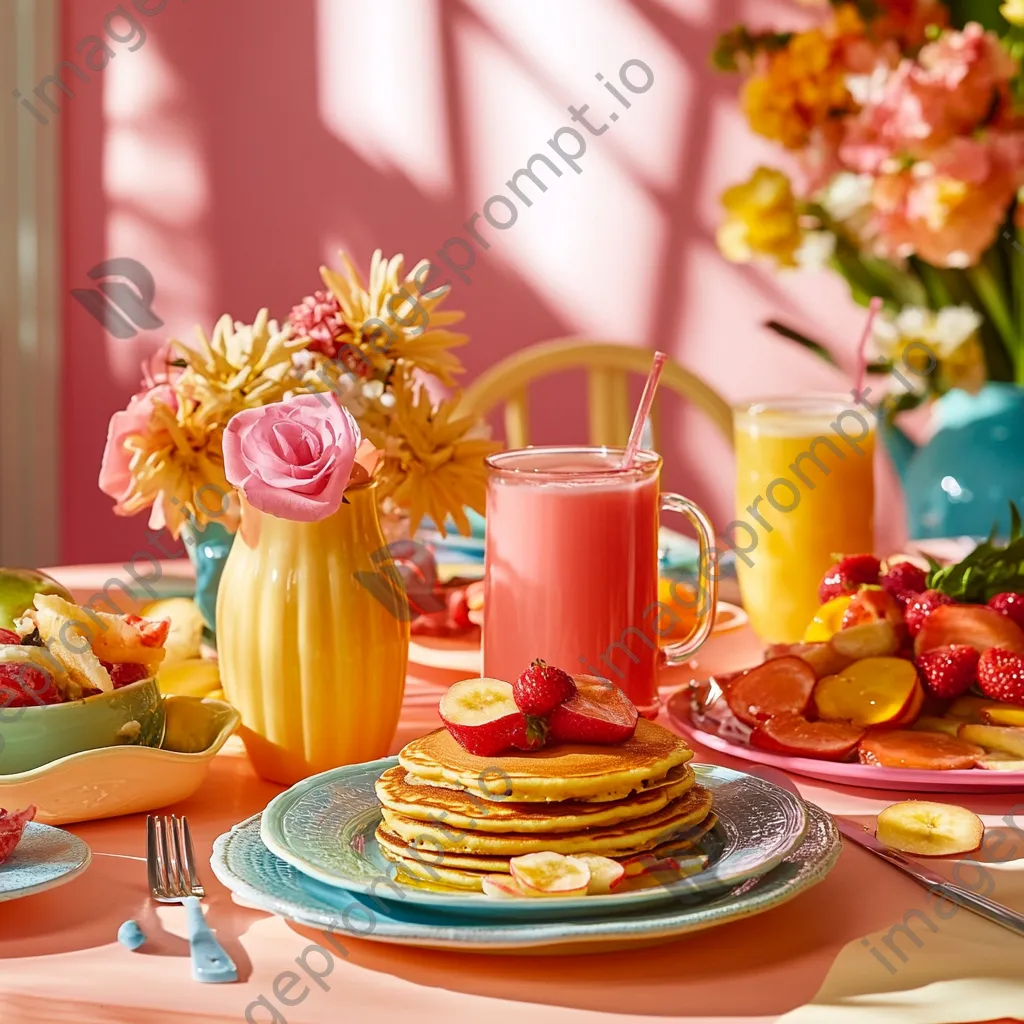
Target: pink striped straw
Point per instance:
(873, 307)
(644, 409)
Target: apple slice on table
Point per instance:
(976, 625)
(794, 735)
(1005, 738)
(928, 751)
(780, 686)
(872, 691)
(926, 828)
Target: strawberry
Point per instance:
(1001, 675)
(123, 674)
(918, 610)
(949, 671)
(1011, 605)
(541, 688)
(23, 685)
(974, 624)
(153, 631)
(599, 712)
(847, 576)
(8, 636)
(903, 576)
(483, 718)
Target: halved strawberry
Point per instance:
(904, 748)
(599, 712)
(916, 610)
(483, 718)
(972, 624)
(794, 734)
(779, 686)
(1001, 675)
(949, 671)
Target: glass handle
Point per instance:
(707, 575)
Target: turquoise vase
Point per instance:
(962, 481)
(208, 550)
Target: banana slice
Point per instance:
(605, 873)
(550, 874)
(929, 829)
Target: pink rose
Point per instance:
(293, 459)
(115, 475)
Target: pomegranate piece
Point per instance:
(780, 686)
(972, 624)
(930, 751)
(795, 735)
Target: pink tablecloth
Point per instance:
(60, 961)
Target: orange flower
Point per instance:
(803, 86)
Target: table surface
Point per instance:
(60, 961)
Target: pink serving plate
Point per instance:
(975, 780)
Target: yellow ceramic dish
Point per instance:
(109, 781)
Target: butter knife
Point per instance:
(933, 881)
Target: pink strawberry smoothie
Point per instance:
(572, 566)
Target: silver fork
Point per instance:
(173, 879)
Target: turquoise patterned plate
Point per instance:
(259, 879)
(324, 826)
(45, 858)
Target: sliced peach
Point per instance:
(870, 640)
(1000, 715)
(779, 686)
(871, 691)
(929, 723)
(909, 715)
(970, 708)
(926, 828)
(931, 751)
(828, 619)
(1003, 738)
(605, 873)
(976, 625)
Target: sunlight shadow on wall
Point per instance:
(395, 115)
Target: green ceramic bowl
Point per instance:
(32, 737)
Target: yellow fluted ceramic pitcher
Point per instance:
(312, 659)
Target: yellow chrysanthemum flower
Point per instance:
(178, 469)
(761, 219)
(433, 464)
(392, 318)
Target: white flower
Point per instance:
(868, 90)
(815, 249)
(847, 195)
(943, 332)
(953, 326)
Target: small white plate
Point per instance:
(45, 858)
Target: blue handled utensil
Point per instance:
(173, 879)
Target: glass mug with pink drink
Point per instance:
(571, 571)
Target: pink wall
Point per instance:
(241, 144)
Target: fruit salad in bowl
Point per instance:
(74, 679)
(905, 665)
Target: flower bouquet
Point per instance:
(904, 130)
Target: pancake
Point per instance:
(639, 834)
(461, 809)
(397, 849)
(559, 772)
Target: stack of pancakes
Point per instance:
(451, 817)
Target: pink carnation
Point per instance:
(292, 459)
(115, 471)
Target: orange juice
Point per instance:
(804, 494)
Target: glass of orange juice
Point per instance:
(804, 495)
